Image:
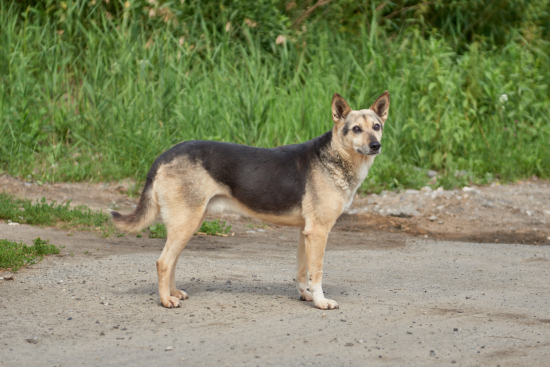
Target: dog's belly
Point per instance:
(220, 204)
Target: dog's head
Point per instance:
(359, 132)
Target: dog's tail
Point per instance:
(146, 212)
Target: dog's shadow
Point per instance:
(263, 288)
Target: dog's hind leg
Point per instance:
(180, 230)
(302, 273)
(178, 293)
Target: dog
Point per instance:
(307, 185)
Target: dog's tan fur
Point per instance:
(183, 192)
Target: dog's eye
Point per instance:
(356, 129)
(376, 127)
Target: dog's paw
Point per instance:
(172, 302)
(305, 295)
(179, 294)
(326, 304)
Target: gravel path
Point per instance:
(405, 301)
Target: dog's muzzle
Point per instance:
(373, 149)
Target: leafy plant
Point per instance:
(215, 228)
(14, 255)
(157, 230)
(41, 212)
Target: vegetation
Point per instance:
(95, 90)
(157, 230)
(215, 228)
(24, 211)
(14, 255)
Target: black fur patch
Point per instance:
(265, 180)
(345, 129)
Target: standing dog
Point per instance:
(306, 185)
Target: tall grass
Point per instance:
(97, 98)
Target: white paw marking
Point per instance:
(326, 304)
(305, 295)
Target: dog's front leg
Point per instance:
(316, 241)
(302, 274)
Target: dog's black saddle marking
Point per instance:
(265, 180)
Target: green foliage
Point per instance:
(157, 230)
(96, 90)
(24, 211)
(215, 228)
(14, 255)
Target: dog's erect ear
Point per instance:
(340, 109)
(382, 105)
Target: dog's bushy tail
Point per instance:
(146, 212)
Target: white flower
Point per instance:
(503, 98)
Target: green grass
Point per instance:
(157, 231)
(215, 228)
(15, 255)
(93, 97)
(42, 213)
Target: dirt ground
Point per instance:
(429, 277)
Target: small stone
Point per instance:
(433, 218)
(360, 341)
(228, 282)
(168, 348)
(432, 173)
(8, 277)
(250, 232)
(409, 332)
(13, 224)
(260, 230)
(70, 318)
(455, 329)
(432, 353)
(32, 340)
(349, 344)
(426, 189)
(343, 320)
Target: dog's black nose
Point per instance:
(375, 146)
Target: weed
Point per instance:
(459, 100)
(216, 228)
(14, 255)
(157, 231)
(24, 211)
(138, 235)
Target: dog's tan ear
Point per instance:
(340, 109)
(382, 105)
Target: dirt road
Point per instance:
(411, 290)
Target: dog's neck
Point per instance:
(349, 168)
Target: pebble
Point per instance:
(250, 232)
(168, 348)
(8, 277)
(426, 189)
(33, 340)
(260, 230)
(228, 282)
(349, 344)
(433, 218)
